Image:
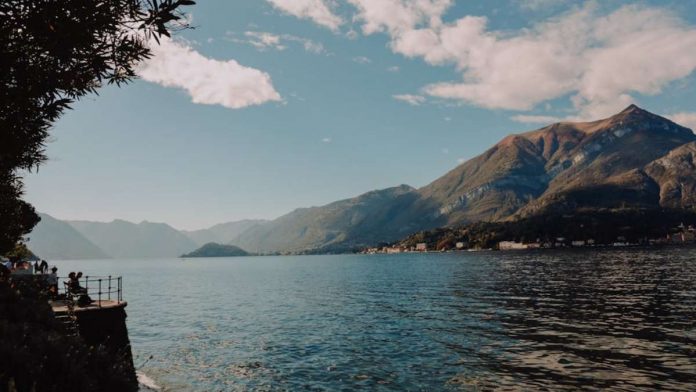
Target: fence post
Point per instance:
(109, 287)
(100, 292)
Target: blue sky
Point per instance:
(267, 106)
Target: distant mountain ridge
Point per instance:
(56, 239)
(634, 158)
(345, 223)
(223, 232)
(122, 239)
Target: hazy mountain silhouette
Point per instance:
(122, 239)
(55, 239)
(223, 232)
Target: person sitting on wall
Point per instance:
(74, 284)
(83, 299)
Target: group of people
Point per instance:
(24, 267)
(73, 286)
(21, 268)
(41, 268)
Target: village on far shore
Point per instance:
(682, 235)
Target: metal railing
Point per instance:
(98, 288)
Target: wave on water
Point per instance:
(146, 383)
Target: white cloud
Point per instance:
(687, 119)
(311, 46)
(207, 81)
(600, 60)
(362, 60)
(461, 160)
(326, 140)
(393, 69)
(398, 16)
(318, 11)
(264, 41)
(411, 99)
(532, 119)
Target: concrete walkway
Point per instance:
(61, 306)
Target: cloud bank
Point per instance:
(207, 81)
(598, 60)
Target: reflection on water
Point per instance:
(619, 320)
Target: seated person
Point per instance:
(76, 289)
(74, 284)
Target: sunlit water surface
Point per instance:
(619, 320)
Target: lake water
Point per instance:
(614, 319)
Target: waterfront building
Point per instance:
(511, 245)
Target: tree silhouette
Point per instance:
(53, 53)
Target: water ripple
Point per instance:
(621, 320)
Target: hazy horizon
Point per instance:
(265, 107)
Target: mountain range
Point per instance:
(632, 159)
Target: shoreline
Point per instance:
(563, 248)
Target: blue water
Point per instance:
(619, 320)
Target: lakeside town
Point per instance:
(681, 235)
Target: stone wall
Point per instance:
(107, 327)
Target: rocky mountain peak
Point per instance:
(643, 119)
(633, 108)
